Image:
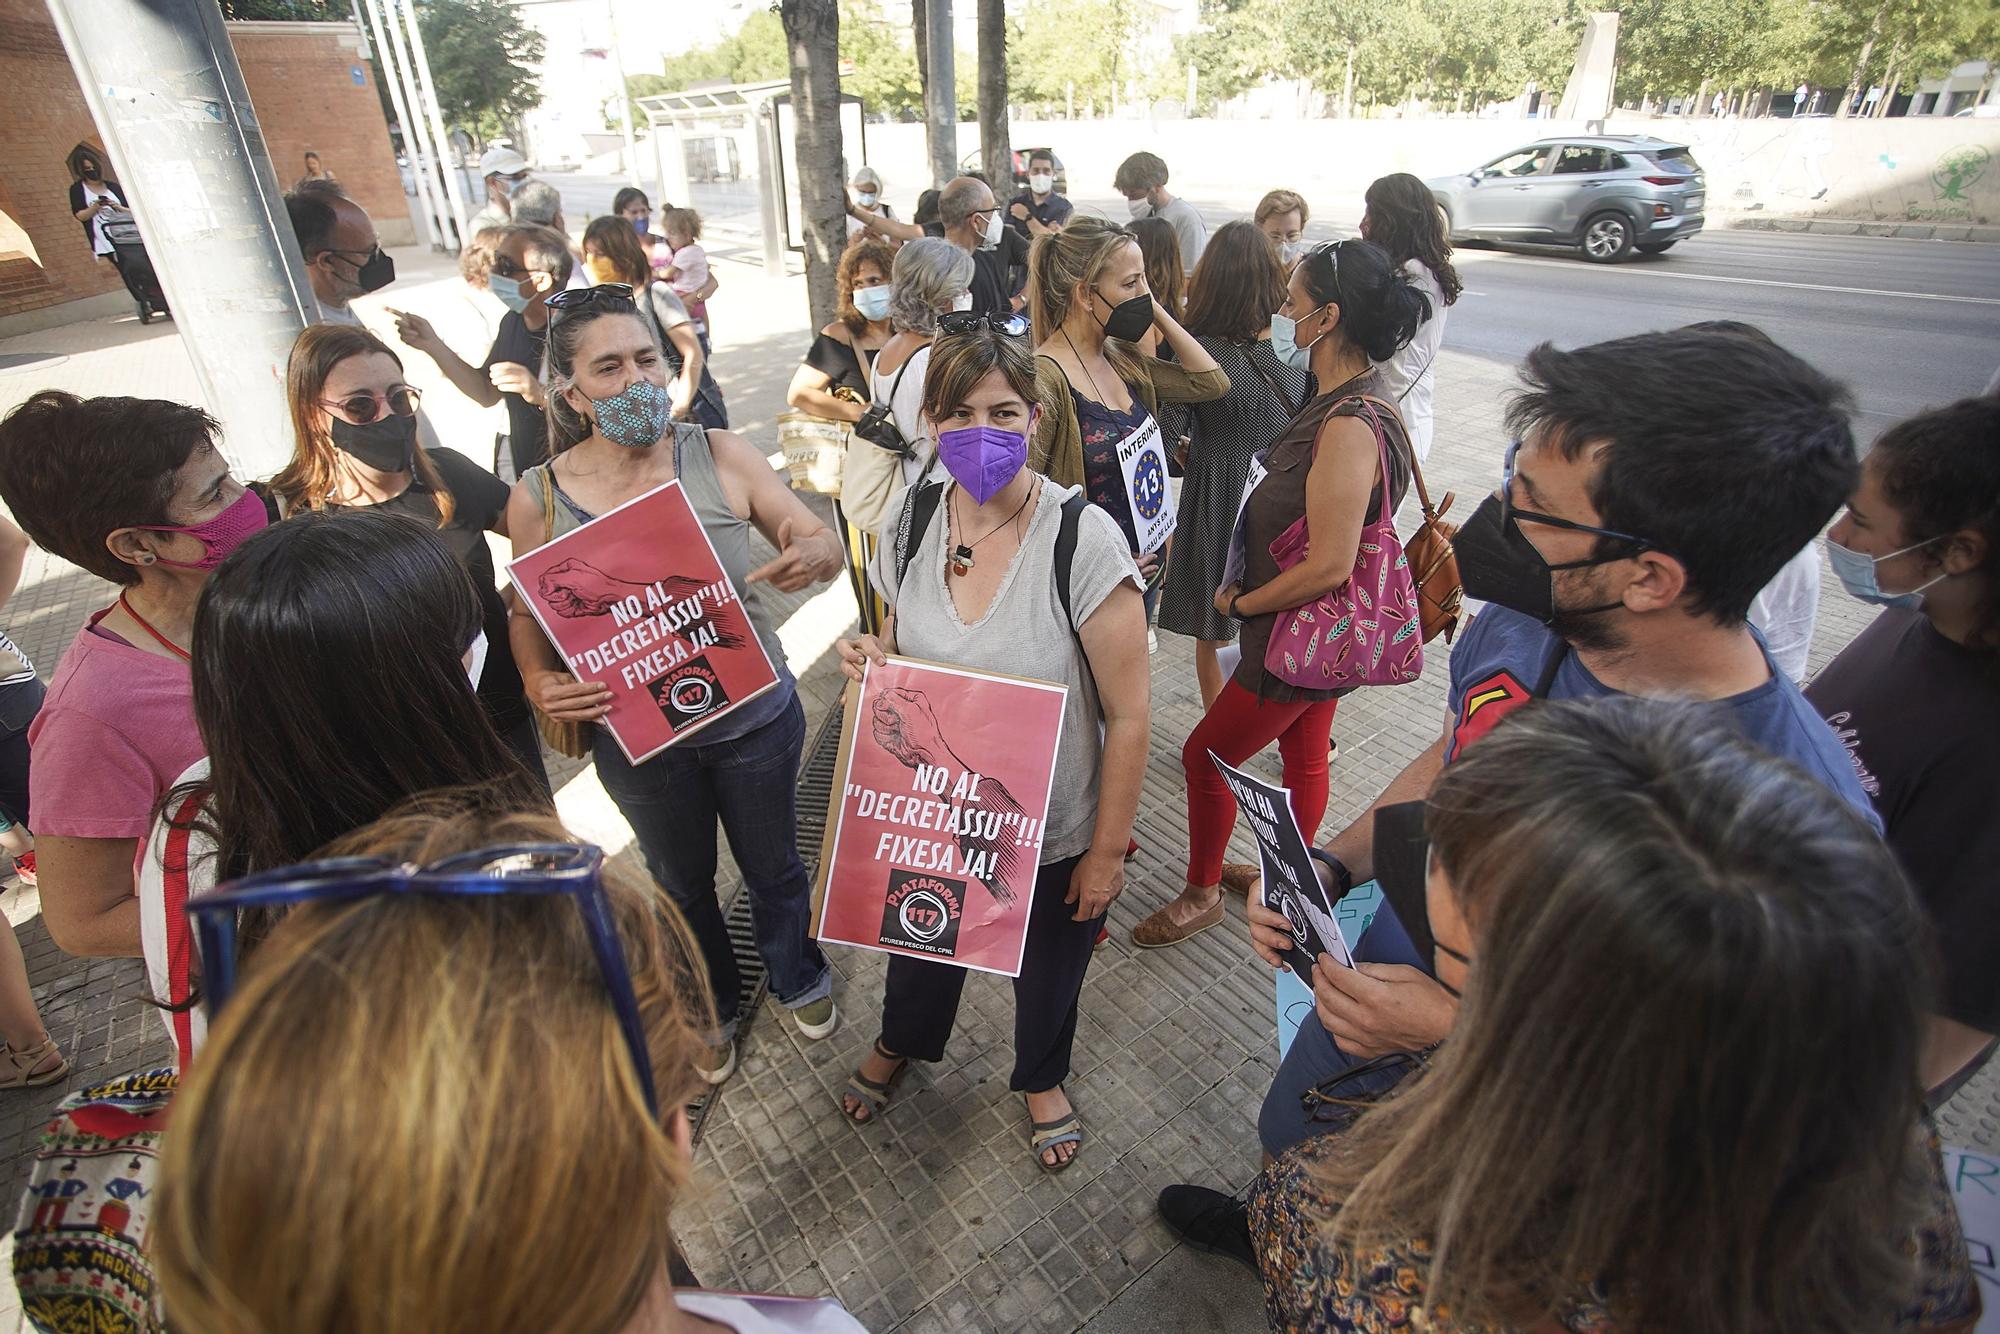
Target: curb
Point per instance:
(1917, 231)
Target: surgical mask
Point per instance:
(866, 198)
(1130, 319)
(641, 223)
(475, 667)
(873, 302)
(983, 459)
(635, 416)
(386, 444)
(1289, 251)
(377, 272)
(602, 271)
(220, 535)
(993, 228)
(1498, 564)
(1141, 207)
(1042, 184)
(509, 292)
(1284, 342)
(963, 301)
(1856, 571)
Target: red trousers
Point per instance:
(1236, 727)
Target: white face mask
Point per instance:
(475, 659)
(866, 198)
(963, 301)
(1042, 184)
(1289, 251)
(993, 226)
(1141, 207)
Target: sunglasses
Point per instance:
(572, 869)
(362, 408)
(1339, 1100)
(611, 297)
(1510, 512)
(972, 321)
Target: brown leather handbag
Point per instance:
(1433, 564)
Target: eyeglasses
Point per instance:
(362, 408)
(515, 868)
(972, 321)
(1510, 511)
(615, 297)
(366, 255)
(1338, 1101)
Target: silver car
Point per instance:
(1607, 195)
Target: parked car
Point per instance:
(1607, 195)
(1020, 174)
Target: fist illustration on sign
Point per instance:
(907, 729)
(577, 588)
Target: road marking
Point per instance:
(1773, 282)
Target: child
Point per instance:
(687, 263)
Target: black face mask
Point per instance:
(1130, 319)
(378, 272)
(387, 444)
(1498, 564)
(91, 171)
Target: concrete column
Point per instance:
(165, 90)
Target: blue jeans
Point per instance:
(1315, 1057)
(672, 802)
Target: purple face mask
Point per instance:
(983, 459)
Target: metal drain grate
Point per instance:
(815, 785)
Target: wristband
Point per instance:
(1235, 615)
(1341, 875)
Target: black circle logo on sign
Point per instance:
(924, 915)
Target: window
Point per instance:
(1527, 162)
(1578, 159)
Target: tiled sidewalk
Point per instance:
(936, 1218)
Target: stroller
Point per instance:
(135, 266)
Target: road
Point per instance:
(1906, 324)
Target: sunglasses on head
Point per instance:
(362, 408)
(609, 297)
(972, 321)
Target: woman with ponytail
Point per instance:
(1404, 219)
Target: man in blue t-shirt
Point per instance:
(1656, 483)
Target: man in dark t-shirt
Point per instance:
(970, 218)
(1039, 210)
(530, 264)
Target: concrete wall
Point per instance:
(302, 81)
(1900, 170)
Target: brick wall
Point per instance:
(301, 81)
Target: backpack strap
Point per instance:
(919, 508)
(1073, 507)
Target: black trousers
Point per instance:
(920, 998)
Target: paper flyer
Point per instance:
(934, 830)
(638, 599)
(1291, 878)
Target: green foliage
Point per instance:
(480, 54)
(1056, 43)
(885, 61)
(754, 53)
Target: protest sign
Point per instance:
(638, 599)
(1143, 460)
(1291, 878)
(934, 828)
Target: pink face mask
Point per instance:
(220, 535)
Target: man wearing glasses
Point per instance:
(337, 240)
(503, 169)
(1655, 484)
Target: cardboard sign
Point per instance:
(638, 599)
(1291, 877)
(1974, 1178)
(1143, 459)
(934, 829)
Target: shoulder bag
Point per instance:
(1433, 563)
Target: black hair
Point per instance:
(328, 684)
(1405, 220)
(1941, 470)
(1042, 155)
(1380, 311)
(629, 194)
(1723, 450)
(313, 220)
(927, 208)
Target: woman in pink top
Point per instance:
(136, 492)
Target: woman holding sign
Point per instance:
(1099, 395)
(974, 582)
(610, 443)
(1345, 309)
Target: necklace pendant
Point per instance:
(961, 560)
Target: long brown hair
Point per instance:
(442, 1088)
(309, 481)
(863, 249)
(1237, 285)
(1062, 260)
(1405, 220)
(1686, 1067)
(613, 238)
(1160, 245)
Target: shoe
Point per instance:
(1131, 848)
(1161, 930)
(818, 1019)
(1237, 877)
(716, 1064)
(1209, 1221)
(24, 867)
(1103, 934)
(38, 1065)
(1152, 642)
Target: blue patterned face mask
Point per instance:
(635, 416)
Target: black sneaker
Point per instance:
(1210, 1221)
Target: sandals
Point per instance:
(31, 1068)
(1045, 1135)
(870, 1094)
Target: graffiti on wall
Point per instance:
(1952, 178)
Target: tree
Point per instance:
(480, 56)
(1079, 43)
(885, 64)
(995, 155)
(812, 38)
